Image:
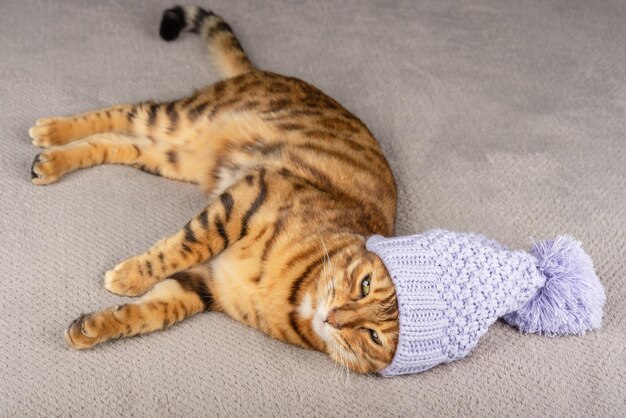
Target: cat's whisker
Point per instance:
(337, 364)
(324, 270)
(327, 279)
(346, 356)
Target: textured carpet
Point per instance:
(500, 117)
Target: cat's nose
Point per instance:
(331, 319)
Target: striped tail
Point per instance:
(224, 47)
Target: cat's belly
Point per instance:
(248, 294)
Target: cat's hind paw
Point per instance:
(46, 168)
(44, 133)
(48, 132)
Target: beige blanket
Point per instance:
(500, 117)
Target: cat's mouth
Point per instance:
(320, 326)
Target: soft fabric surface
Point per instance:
(503, 118)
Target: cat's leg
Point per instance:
(53, 131)
(157, 121)
(226, 220)
(172, 300)
(161, 158)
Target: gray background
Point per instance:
(504, 118)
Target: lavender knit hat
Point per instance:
(451, 286)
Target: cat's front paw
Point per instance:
(50, 131)
(82, 333)
(47, 167)
(132, 277)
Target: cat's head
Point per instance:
(356, 313)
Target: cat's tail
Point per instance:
(224, 47)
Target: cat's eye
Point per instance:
(365, 285)
(374, 335)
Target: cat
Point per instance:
(296, 185)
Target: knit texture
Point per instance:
(450, 288)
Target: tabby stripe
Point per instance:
(228, 203)
(276, 105)
(249, 86)
(260, 146)
(357, 323)
(220, 106)
(374, 216)
(176, 308)
(305, 254)
(392, 325)
(274, 148)
(152, 113)
(204, 218)
(172, 114)
(188, 101)
(255, 205)
(388, 299)
(220, 27)
(365, 351)
(189, 234)
(221, 230)
(278, 87)
(293, 114)
(349, 140)
(296, 177)
(195, 283)
(325, 184)
(317, 263)
(248, 106)
(341, 156)
(172, 157)
(339, 125)
(132, 114)
(149, 268)
(258, 236)
(290, 126)
(293, 321)
(371, 218)
(278, 227)
(162, 261)
(220, 86)
(197, 111)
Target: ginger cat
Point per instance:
(296, 184)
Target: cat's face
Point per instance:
(357, 312)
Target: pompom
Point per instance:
(572, 298)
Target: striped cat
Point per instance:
(296, 184)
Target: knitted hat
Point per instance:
(451, 286)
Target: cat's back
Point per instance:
(294, 129)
